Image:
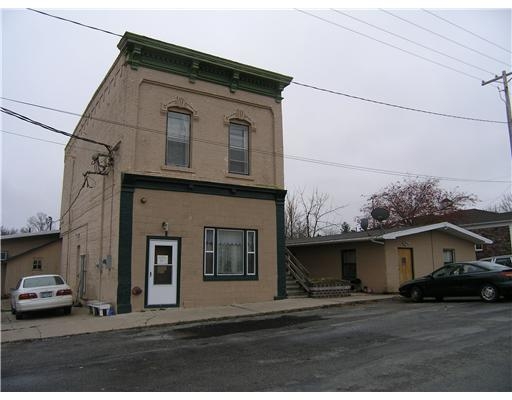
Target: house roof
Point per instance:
(390, 234)
(31, 234)
(472, 218)
(151, 53)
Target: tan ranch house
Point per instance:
(177, 197)
(383, 259)
(25, 254)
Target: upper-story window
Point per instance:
(238, 149)
(178, 139)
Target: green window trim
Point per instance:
(212, 256)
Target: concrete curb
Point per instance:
(82, 323)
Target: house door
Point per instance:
(162, 272)
(405, 265)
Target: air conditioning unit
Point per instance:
(3, 256)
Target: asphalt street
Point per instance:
(392, 345)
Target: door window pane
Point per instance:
(162, 270)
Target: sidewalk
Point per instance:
(81, 322)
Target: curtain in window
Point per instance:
(230, 252)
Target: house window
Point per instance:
(178, 139)
(37, 264)
(348, 265)
(230, 254)
(238, 149)
(448, 256)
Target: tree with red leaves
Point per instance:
(412, 201)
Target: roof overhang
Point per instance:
(445, 227)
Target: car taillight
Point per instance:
(26, 296)
(63, 292)
(506, 274)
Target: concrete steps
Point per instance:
(293, 289)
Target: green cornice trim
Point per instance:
(142, 51)
(135, 181)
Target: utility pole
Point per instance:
(507, 101)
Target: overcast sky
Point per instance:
(57, 64)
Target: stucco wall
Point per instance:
(324, 261)
(187, 215)
(427, 254)
(21, 266)
(377, 265)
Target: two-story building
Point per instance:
(177, 197)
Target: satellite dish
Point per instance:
(364, 223)
(380, 214)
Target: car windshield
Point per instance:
(42, 281)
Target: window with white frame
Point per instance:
(178, 139)
(238, 149)
(230, 253)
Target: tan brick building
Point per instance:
(182, 205)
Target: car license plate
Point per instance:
(46, 294)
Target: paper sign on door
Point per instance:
(161, 260)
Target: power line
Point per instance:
(331, 163)
(327, 90)
(293, 82)
(412, 41)
(398, 106)
(467, 30)
(390, 45)
(444, 37)
(75, 22)
(50, 128)
(85, 183)
(31, 137)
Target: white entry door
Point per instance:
(162, 274)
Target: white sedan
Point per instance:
(41, 292)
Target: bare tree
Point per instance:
(293, 217)
(503, 205)
(7, 231)
(413, 199)
(310, 215)
(38, 223)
